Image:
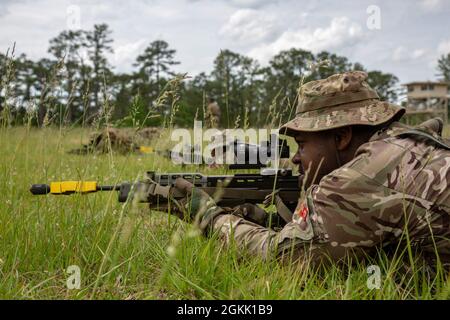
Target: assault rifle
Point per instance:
(233, 189)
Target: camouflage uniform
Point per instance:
(396, 186)
(118, 140)
(213, 114)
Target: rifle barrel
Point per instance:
(108, 188)
(38, 189)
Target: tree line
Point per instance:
(78, 85)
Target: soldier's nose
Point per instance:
(296, 159)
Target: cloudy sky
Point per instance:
(406, 40)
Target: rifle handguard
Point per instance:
(144, 190)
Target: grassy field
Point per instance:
(129, 252)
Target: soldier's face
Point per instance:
(316, 156)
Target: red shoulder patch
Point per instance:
(301, 214)
(302, 210)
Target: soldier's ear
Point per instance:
(343, 137)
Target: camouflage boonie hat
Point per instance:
(337, 101)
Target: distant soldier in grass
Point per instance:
(212, 114)
(118, 140)
(369, 182)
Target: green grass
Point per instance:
(129, 252)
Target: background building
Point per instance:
(427, 99)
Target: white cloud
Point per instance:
(443, 47)
(240, 3)
(249, 26)
(431, 5)
(340, 33)
(126, 54)
(403, 54)
(250, 3)
(400, 53)
(418, 53)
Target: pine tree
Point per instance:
(68, 47)
(155, 63)
(444, 67)
(98, 43)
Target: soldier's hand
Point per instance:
(194, 202)
(197, 205)
(270, 198)
(252, 213)
(156, 195)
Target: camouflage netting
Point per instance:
(118, 140)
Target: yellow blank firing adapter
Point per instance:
(65, 187)
(145, 149)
